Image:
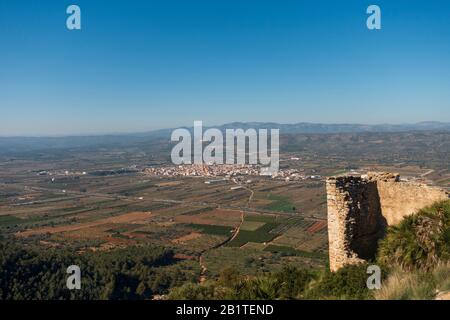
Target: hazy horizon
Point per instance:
(209, 125)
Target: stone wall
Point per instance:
(361, 208)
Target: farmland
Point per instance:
(104, 212)
(101, 200)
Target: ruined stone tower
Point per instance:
(361, 208)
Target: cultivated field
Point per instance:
(99, 198)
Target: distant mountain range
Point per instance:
(306, 127)
(36, 143)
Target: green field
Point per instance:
(262, 234)
(294, 252)
(211, 229)
(280, 203)
(197, 211)
(247, 260)
(9, 220)
(251, 225)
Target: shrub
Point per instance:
(288, 283)
(294, 282)
(420, 242)
(348, 282)
(205, 291)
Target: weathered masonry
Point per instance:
(361, 208)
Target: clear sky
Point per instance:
(143, 65)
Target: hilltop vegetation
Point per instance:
(288, 283)
(420, 242)
(131, 273)
(414, 258)
(417, 251)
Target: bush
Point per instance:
(205, 291)
(348, 282)
(288, 283)
(420, 242)
(294, 282)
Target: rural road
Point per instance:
(203, 268)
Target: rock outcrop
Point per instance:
(361, 208)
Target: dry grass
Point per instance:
(442, 276)
(415, 285)
(407, 286)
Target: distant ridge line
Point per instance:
(300, 127)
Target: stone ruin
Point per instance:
(361, 208)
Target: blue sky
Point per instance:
(143, 65)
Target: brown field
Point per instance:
(190, 236)
(168, 184)
(92, 232)
(312, 243)
(202, 243)
(219, 217)
(317, 226)
(132, 217)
